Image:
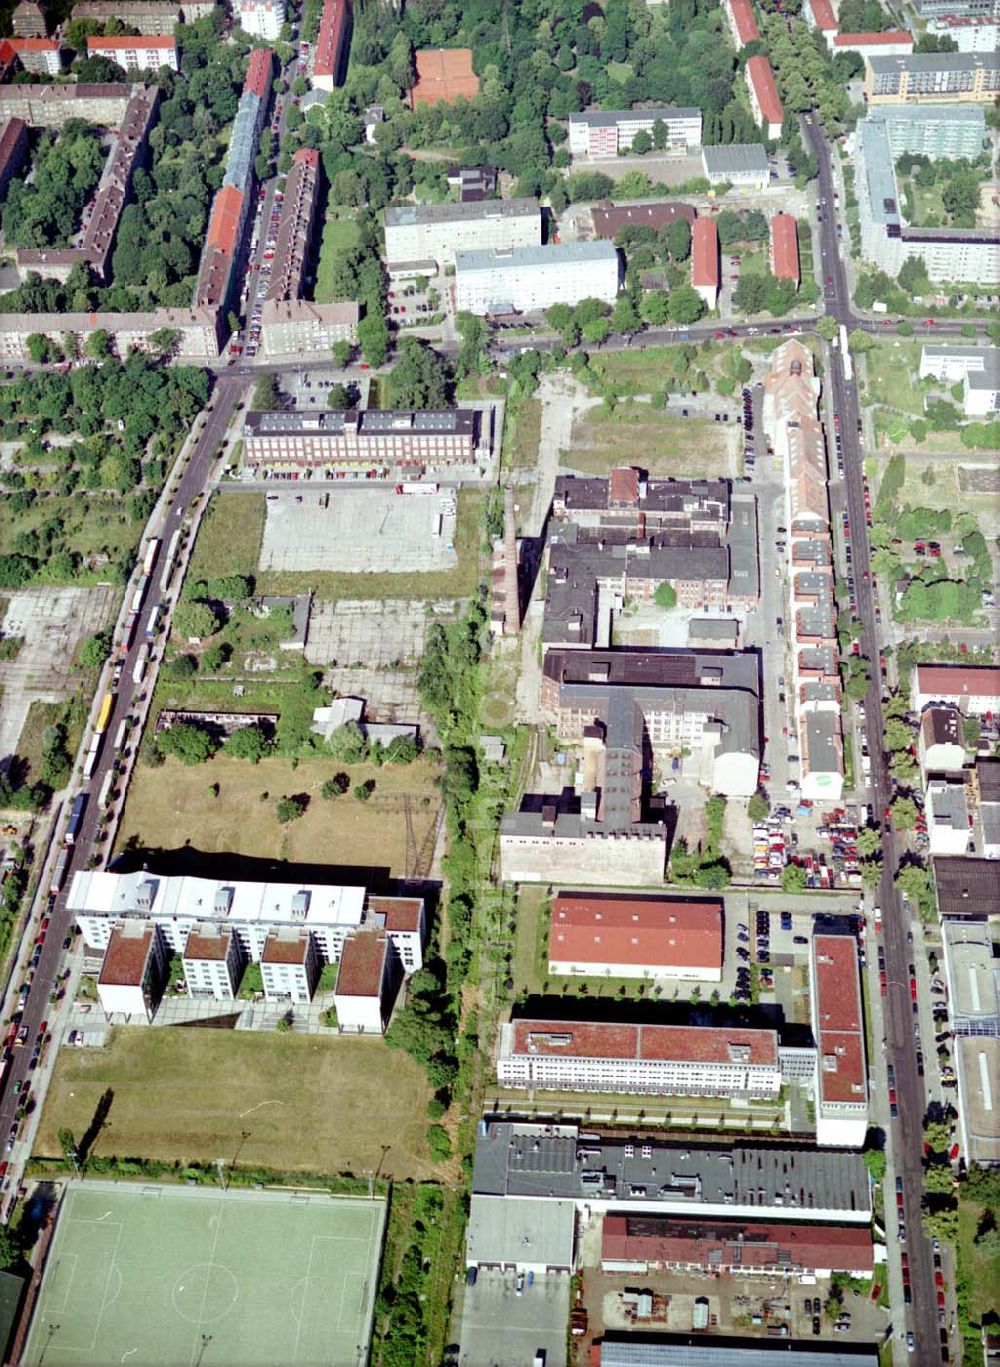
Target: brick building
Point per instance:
(635, 937)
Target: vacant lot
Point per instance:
(326, 1106)
(175, 806)
(230, 536)
(892, 368)
(637, 434)
(338, 234)
(98, 527)
(521, 435)
(981, 1269)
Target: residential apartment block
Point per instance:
(197, 330)
(260, 18)
(940, 741)
(295, 327)
(366, 982)
(933, 130)
(973, 689)
(820, 15)
(384, 439)
(841, 1092)
(213, 962)
(40, 56)
(740, 22)
(329, 56)
(950, 77)
(609, 133)
(765, 102)
(136, 54)
(892, 43)
(530, 279)
(289, 966)
(935, 9)
(295, 227)
(133, 971)
(151, 18)
(644, 1244)
(28, 20)
(593, 934)
(641, 1060)
(50, 106)
(974, 1005)
(13, 151)
(971, 33)
(948, 816)
(253, 914)
(434, 233)
(785, 249)
(744, 165)
(705, 268)
(791, 394)
(607, 1174)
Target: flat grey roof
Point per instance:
(929, 113)
(608, 118)
(936, 61)
(371, 422)
(879, 172)
(947, 805)
(489, 259)
(735, 156)
(407, 215)
(640, 1351)
(988, 774)
(822, 732)
(503, 1229)
(558, 1161)
(723, 629)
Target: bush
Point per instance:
(291, 808)
(335, 787)
(188, 743)
(438, 1143)
(180, 668)
(435, 1108)
(363, 791)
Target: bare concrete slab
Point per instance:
(360, 531)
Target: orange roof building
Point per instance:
(705, 260)
(764, 99)
(644, 1060)
(894, 43)
(443, 76)
(742, 24)
(838, 1025)
(819, 14)
(257, 80)
(328, 59)
(635, 937)
(785, 248)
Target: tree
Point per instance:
(714, 875)
(335, 787)
(189, 743)
(596, 331)
(624, 317)
(181, 668)
(95, 650)
(860, 341)
(793, 878)
(249, 742)
(474, 336)
(196, 620)
(758, 808)
(665, 596)
(363, 791)
(266, 394)
(39, 347)
(875, 1162)
(685, 305)
(869, 842)
(291, 808)
(642, 143)
(653, 307)
(98, 345)
(750, 295)
(402, 750)
(904, 814)
(438, 1143)
(373, 338)
(421, 377)
(341, 352)
(348, 744)
(827, 327)
(678, 239)
(913, 277)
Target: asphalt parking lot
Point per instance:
(500, 1328)
(359, 531)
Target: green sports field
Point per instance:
(157, 1276)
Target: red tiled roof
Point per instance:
(635, 930)
(963, 681)
(624, 485)
(686, 1044)
(762, 77)
(259, 67)
(125, 957)
(823, 16)
(746, 24)
(306, 156)
(33, 44)
(443, 74)
(282, 949)
(784, 247)
(873, 39)
(223, 226)
(13, 134)
(329, 42)
(7, 53)
(610, 222)
(120, 44)
(362, 965)
(207, 946)
(401, 913)
(661, 1239)
(838, 1019)
(705, 252)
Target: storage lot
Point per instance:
(500, 1327)
(361, 531)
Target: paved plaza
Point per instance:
(360, 531)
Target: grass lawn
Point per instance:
(521, 436)
(891, 372)
(643, 372)
(983, 1269)
(230, 536)
(637, 434)
(186, 1094)
(72, 711)
(339, 232)
(530, 939)
(455, 583)
(173, 806)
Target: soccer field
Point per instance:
(189, 1277)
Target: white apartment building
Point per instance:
(433, 233)
(252, 911)
(933, 130)
(608, 133)
(135, 54)
(972, 33)
(362, 997)
(978, 370)
(289, 966)
(295, 327)
(529, 279)
(644, 1060)
(260, 18)
(973, 689)
(213, 963)
(134, 970)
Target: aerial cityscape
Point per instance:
(500, 683)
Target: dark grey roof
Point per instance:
(610, 118)
(370, 421)
(988, 774)
(967, 887)
(655, 668)
(735, 157)
(744, 564)
(521, 1159)
(822, 736)
(642, 1351)
(407, 215)
(720, 629)
(655, 495)
(736, 710)
(935, 61)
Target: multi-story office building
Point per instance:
(743, 165)
(434, 233)
(530, 279)
(594, 934)
(962, 254)
(933, 130)
(260, 18)
(133, 971)
(609, 133)
(949, 77)
(740, 22)
(705, 260)
(136, 54)
(765, 102)
(971, 33)
(841, 1092)
(328, 59)
(213, 963)
(250, 912)
(361, 439)
(641, 1244)
(643, 1060)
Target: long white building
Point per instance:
(644, 1060)
(417, 233)
(528, 279)
(253, 912)
(607, 133)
